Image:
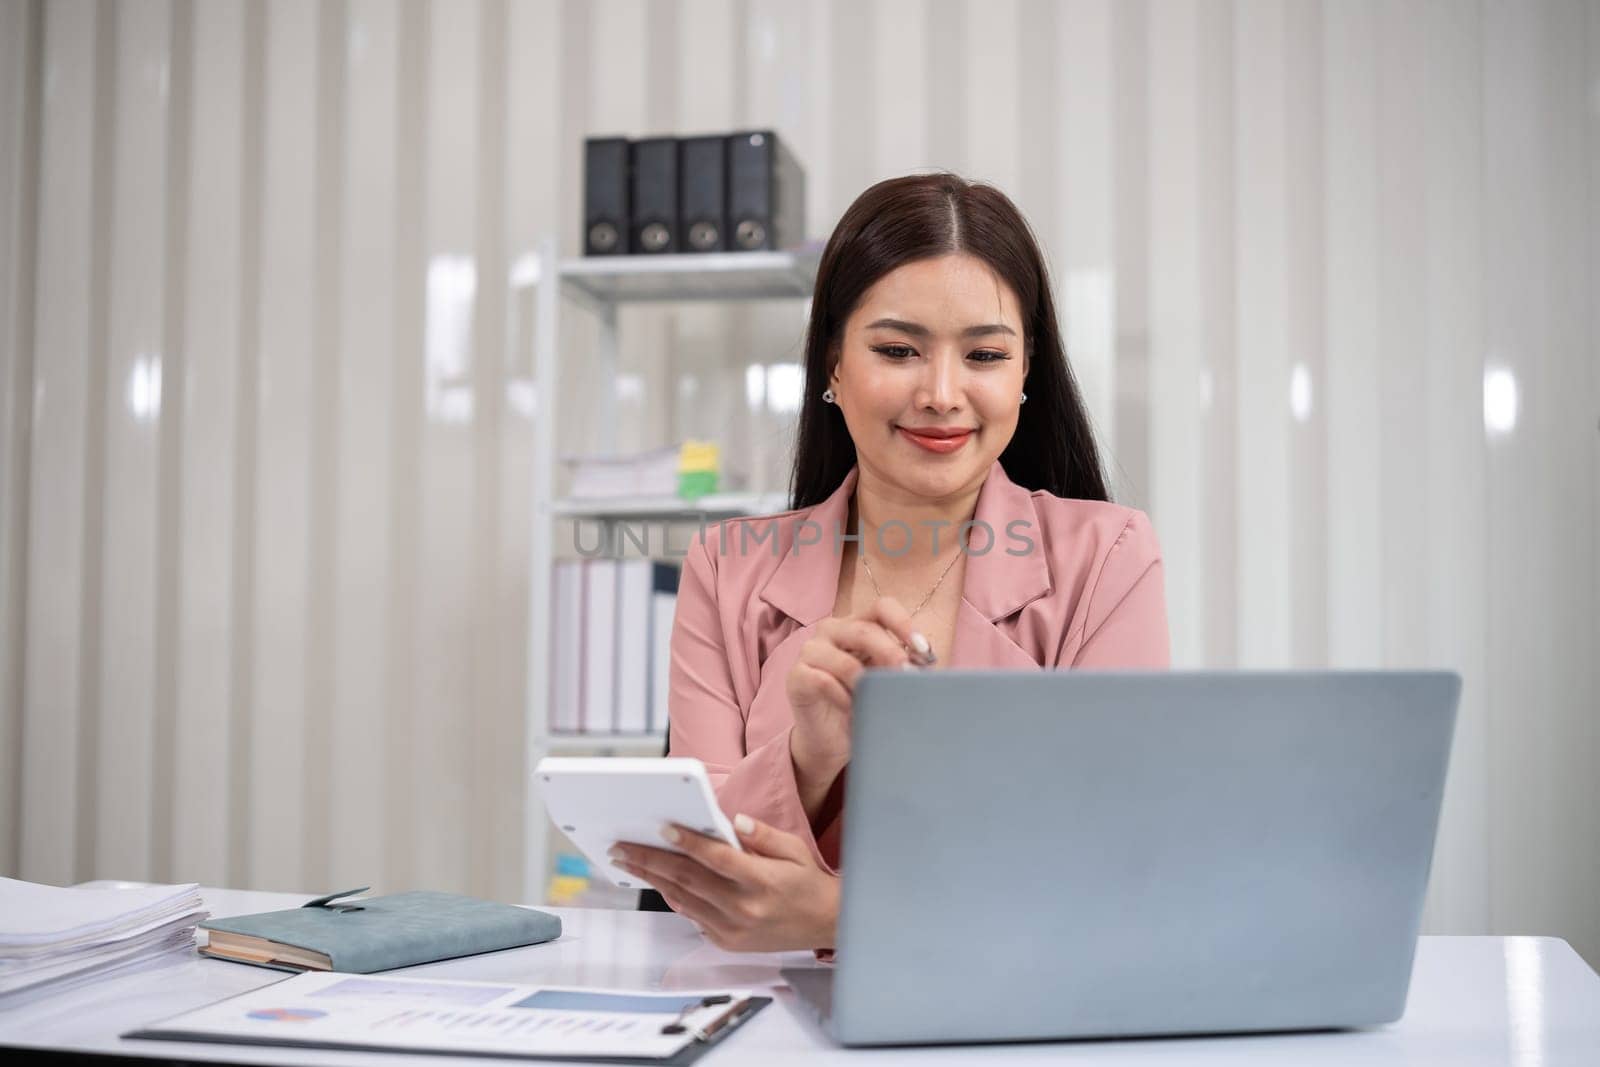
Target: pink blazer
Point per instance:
(1089, 594)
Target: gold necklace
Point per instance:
(948, 567)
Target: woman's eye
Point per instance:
(900, 352)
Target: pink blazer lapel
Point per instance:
(806, 582)
(1005, 572)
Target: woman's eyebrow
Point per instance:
(918, 330)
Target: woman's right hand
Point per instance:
(821, 684)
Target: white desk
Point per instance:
(1474, 1000)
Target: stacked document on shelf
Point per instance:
(611, 631)
(692, 468)
(53, 937)
(652, 473)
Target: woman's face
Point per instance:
(929, 374)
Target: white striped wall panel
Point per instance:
(210, 393)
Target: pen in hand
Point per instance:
(921, 652)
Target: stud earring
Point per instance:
(827, 396)
(1024, 399)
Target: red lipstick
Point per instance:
(940, 439)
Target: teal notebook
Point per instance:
(377, 933)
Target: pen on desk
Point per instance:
(679, 1026)
(732, 1016)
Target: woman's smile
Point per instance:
(942, 440)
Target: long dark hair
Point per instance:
(917, 217)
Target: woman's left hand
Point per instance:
(772, 897)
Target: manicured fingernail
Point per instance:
(744, 824)
(920, 643)
(669, 833)
(908, 666)
(617, 853)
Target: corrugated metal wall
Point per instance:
(1328, 270)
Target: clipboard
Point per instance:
(426, 1016)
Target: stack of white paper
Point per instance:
(652, 473)
(52, 938)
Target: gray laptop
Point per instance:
(1040, 855)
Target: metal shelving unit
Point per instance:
(714, 506)
(601, 285)
(719, 276)
(605, 744)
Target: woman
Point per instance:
(942, 425)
